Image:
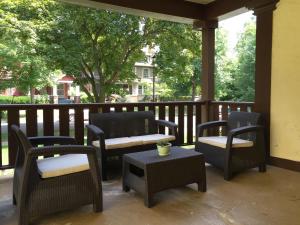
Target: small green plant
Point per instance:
(162, 143)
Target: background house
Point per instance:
(142, 86)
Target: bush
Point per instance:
(40, 99)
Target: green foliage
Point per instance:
(178, 61)
(244, 78)
(99, 47)
(23, 99)
(22, 23)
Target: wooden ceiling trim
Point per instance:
(167, 9)
(219, 8)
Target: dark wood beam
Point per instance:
(208, 59)
(179, 11)
(221, 9)
(264, 34)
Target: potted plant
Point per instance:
(163, 148)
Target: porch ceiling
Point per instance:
(183, 11)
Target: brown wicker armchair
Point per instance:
(241, 149)
(42, 187)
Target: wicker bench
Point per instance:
(116, 134)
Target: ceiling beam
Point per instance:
(221, 9)
(177, 11)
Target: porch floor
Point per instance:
(251, 198)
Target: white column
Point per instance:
(54, 90)
(77, 91)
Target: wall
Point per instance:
(285, 103)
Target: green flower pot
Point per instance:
(163, 150)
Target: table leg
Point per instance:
(126, 188)
(148, 200)
(202, 183)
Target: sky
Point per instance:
(234, 26)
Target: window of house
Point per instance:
(140, 90)
(146, 73)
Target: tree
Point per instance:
(224, 69)
(99, 47)
(244, 78)
(20, 50)
(178, 61)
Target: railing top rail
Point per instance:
(232, 103)
(87, 105)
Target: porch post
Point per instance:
(264, 34)
(208, 64)
(208, 60)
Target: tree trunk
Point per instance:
(193, 88)
(32, 90)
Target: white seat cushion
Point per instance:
(153, 138)
(220, 141)
(114, 143)
(62, 165)
(124, 142)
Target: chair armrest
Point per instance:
(165, 123)
(201, 127)
(245, 129)
(96, 131)
(52, 140)
(242, 130)
(62, 149)
(171, 125)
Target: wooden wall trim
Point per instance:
(285, 163)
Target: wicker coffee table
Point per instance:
(148, 173)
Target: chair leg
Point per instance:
(98, 206)
(262, 168)
(227, 174)
(23, 219)
(104, 168)
(14, 200)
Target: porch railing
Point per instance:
(71, 119)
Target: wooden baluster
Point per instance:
(13, 118)
(141, 107)
(64, 121)
(243, 108)
(181, 123)
(190, 115)
(79, 125)
(233, 107)
(171, 114)
(130, 108)
(48, 123)
(31, 122)
(118, 108)
(105, 108)
(198, 113)
(93, 109)
(152, 108)
(162, 116)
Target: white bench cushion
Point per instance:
(62, 165)
(220, 141)
(124, 142)
(153, 138)
(114, 143)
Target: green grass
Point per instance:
(5, 155)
